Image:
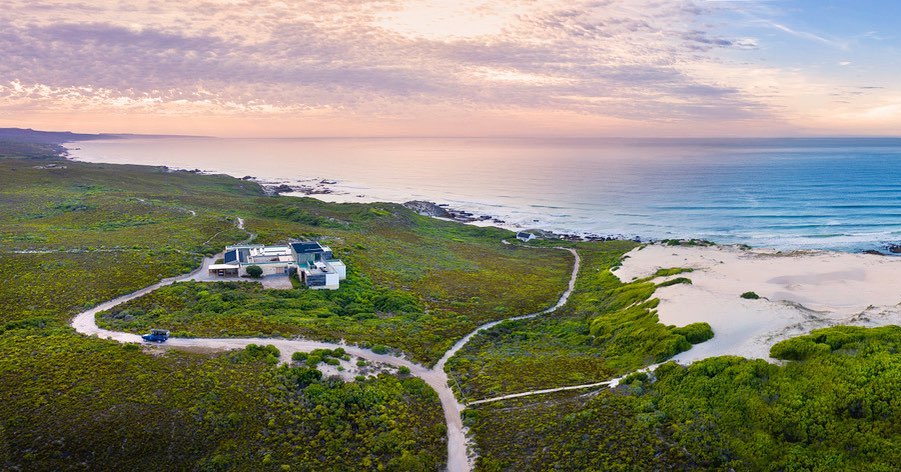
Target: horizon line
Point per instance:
(515, 136)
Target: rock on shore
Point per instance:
(427, 209)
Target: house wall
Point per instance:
(331, 282)
(269, 269)
(340, 268)
(315, 280)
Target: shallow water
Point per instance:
(785, 193)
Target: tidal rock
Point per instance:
(283, 188)
(428, 209)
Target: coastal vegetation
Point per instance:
(833, 408)
(73, 235)
(142, 224)
(360, 312)
(607, 328)
(570, 430)
(67, 401)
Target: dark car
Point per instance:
(156, 336)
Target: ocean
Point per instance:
(830, 193)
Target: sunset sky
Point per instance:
(453, 68)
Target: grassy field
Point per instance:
(606, 329)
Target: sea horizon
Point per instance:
(784, 193)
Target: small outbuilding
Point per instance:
(524, 236)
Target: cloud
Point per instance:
(631, 60)
(701, 40)
(843, 45)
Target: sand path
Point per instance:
(458, 448)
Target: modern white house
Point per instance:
(316, 266)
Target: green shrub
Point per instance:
(634, 377)
(676, 281)
(798, 349)
(380, 349)
(672, 271)
(269, 353)
(313, 360)
(750, 296)
(254, 271)
(695, 333)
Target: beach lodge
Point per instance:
(316, 266)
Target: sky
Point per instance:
(633, 68)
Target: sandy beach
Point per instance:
(800, 291)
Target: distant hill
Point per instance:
(23, 135)
(26, 142)
(40, 144)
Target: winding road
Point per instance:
(458, 457)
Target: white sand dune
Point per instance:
(801, 291)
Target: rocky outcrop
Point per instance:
(304, 189)
(428, 209)
(283, 188)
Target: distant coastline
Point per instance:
(784, 194)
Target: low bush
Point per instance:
(695, 333)
(254, 271)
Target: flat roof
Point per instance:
(223, 266)
(307, 247)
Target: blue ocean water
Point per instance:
(833, 193)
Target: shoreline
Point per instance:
(318, 188)
(328, 190)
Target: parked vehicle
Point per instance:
(156, 336)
